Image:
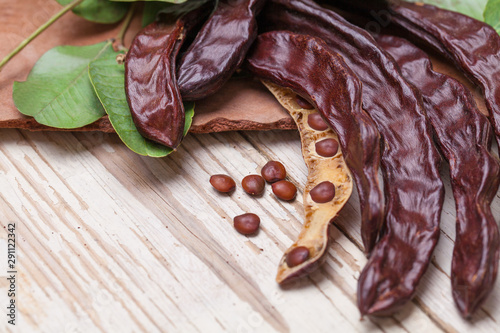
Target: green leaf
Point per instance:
(473, 8)
(168, 1)
(153, 8)
(100, 11)
(492, 14)
(108, 78)
(58, 91)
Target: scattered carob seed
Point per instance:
(222, 183)
(253, 184)
(247, 224)
(273, 171)
(284, 190)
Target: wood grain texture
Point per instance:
(109, 241)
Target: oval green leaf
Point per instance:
(100, 11)
(492, 14)
(58, 92)
(153, 8)
(472, 8)
(108, 79)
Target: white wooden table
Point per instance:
(109, 241)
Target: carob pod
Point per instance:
(306, 254)
(413, 188)
(305, 65)
(290, 15)
(409, 160)
(464, 135)
(219, 48)
(151, 82)
(473, 45)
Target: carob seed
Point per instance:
(222, 183)
(297, 256)
(253, 184)
(323, 192)
(273, 171)
(327, 147)
(284, 190)
(247, 224)
(316, 122)
(303, 103)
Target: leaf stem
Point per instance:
(120, 46)
(38, 31)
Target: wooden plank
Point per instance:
(111, 241)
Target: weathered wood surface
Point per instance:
(109, 241)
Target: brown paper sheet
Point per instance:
(242, 104)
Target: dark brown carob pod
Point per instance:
(413, 188)
(285, 15)
(473, 45)
(464, 135)
(219, 48)
(151, 82)
(305, 65)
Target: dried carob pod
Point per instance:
(414, 190)
(473, 45)
(219, 48)
(363, 167)
(151, 82)
(464, 135)
(305, 65)
(409, 160)
(329, 186)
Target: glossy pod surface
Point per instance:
(219, 48)
(294, 61)
(414, 190)
(150, 82)
(473, 45)
(464, 135)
